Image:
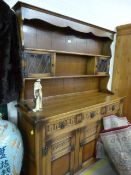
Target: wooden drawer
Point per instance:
(69, 122)
(110, 109)
(92, 115)
(113, 108)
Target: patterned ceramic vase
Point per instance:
(11, 149)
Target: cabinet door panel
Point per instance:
(60, 157)
(88, 150)
(88, 138)
(61, 166)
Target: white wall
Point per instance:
(104, 13)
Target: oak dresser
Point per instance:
(72, 60)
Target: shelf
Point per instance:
(72, 76)
(64, 52)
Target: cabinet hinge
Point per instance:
(45, 151)
(82, 144)
(72, 148)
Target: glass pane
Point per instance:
(37, 63)
(103, 65)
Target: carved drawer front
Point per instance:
(92, 115)
(113, 108)
(64, 123)
(110, 109)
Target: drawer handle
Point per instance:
(92, 114)
(103, 110)
(113, 108)
(82, 144)
(79, 118)
(62, 125)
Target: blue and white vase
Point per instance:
(11, 149)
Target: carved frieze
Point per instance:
(63, 123)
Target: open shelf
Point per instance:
(64, 52)
(59, 65)
(71, 76)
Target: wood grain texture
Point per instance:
(67, 53)
(56, 105)
(88, 138)
(121, 77)
(52, 87)
(45, 37)
(91, 66)
(61, 166)
(70, 65)
(88, 151)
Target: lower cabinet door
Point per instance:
(88, 138)
(59, 153)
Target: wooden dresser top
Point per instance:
(67, 104)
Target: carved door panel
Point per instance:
(60, 155)
(88, 138)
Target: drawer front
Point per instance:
(73, 121)
(67, 122)
(110, 109)
(92, 115)
(113, 108)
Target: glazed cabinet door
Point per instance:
(102, 66)
(59, 153)
(88, 138)
(37, 64)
